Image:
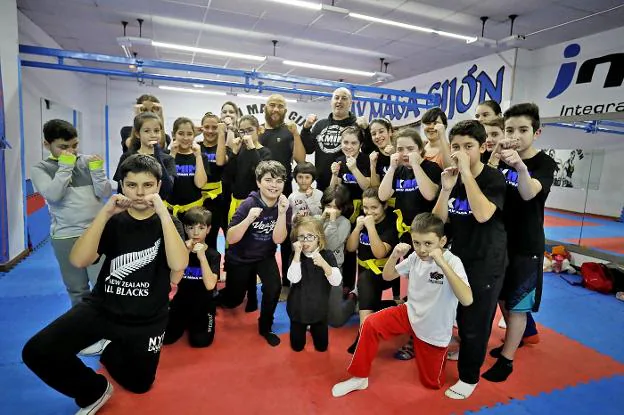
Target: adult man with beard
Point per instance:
(282, 139)
(285, 144)
(323, 137)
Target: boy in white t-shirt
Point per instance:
(437, 281)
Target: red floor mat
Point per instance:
(615, 244)
(241, 374)
(552, 221)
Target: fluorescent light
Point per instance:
(261, 97)
(198, 85)
(468, 39)
(299, 3)
(208, 51)
(328, 68)
(194, 91)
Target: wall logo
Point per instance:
(615, 75)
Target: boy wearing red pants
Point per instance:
(437, 281)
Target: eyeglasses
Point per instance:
(246, 131)
(308, 237)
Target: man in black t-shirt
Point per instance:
(143, 250)
(323, 137)
(471, 199)
(529, 175)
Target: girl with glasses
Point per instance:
(312, 273)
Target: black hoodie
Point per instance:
(323, 139)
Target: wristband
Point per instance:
(96, 164)
(68, 159)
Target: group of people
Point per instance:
(460, 214)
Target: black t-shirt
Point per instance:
(308, 300)
(348, 179)
(191, 287)
(241, 169)
(167, 164)
(134, 282)
(407, 192)
(485, 157)
(524, 220)
(281, 143)
(215, 172)
(383, 163)
(387, 231)
(184, 189)
(482, 247)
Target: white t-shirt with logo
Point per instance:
(431, 303)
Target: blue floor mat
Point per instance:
(603, 397)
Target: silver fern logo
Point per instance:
(126, 264)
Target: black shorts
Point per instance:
(522, 288)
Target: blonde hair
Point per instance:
(311, 223)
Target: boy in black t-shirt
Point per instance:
(193, 306)
(471, 199)
(129, 304)
(529, 175)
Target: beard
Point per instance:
(274, 123)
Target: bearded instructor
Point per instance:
(282, 139)
(323, 137)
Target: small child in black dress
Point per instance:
(312, 273)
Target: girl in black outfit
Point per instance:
(213, 148)
(312, 273)
(147, 130)
(191, 169)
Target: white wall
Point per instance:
(13, 167)
(69, 89)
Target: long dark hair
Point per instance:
(139, 120)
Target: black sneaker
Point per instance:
(271, 338)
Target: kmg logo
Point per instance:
(615, 75)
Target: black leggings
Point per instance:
(131, 358)
(237, 283)
(319, 331)
(370, 289)
(219, 212)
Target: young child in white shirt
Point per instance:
(437, 281)
(305, 201)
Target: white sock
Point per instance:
(502, 323)
(460, 390)
(349, 385)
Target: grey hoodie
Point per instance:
(73, 191)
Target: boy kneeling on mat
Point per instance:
(193, 307)
(437, 281)
(143, 248)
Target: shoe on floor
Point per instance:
(95, 406)
(95, 349)
(349, 385)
